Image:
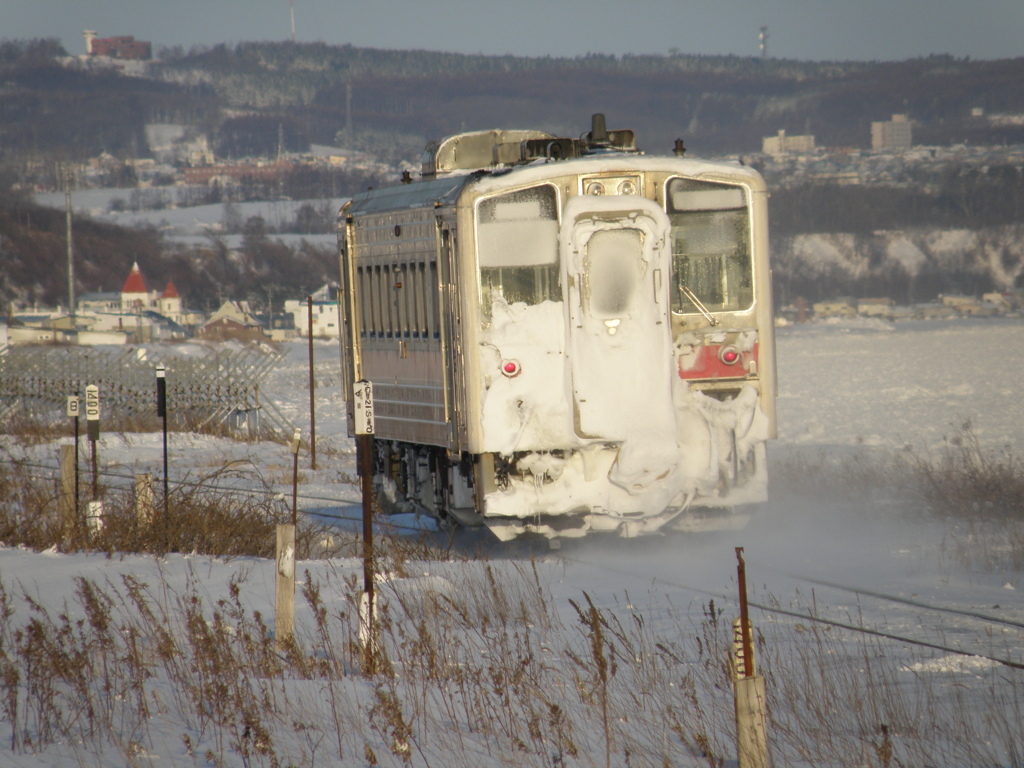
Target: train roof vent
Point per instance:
(486, 150)
(477, 150)
(601, 139)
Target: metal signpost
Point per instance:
(748, 687)
(92, 422)
(363, 414)
(312, 386)
(161, 412)
(296, 441)
(74, 409)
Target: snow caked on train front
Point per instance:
(564, 335)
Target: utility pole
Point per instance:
(312, 386)
(348, 113)
(67, 174)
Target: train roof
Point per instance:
(445, 191)
(428, 192)
(493, 159)
(613, 162)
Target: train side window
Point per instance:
(422, 290)
(412, 292)
(413, 277)
(517, 246)
(378, 322)
(400, 291)
(433, 315)
(365, 322)
(388, 300)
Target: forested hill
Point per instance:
(719, 104)
(249, 97)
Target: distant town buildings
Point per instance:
(136, 309)
(787, 145)
(204, 174)
(894, 134)
(234, 320)
(326, 320)
(136, 297)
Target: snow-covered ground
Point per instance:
(859, 388)
(191, 224)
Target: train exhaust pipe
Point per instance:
(598, 130)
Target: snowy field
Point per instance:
(192, 225)
(865, 389)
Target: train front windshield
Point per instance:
(711, 254)
(517, 240)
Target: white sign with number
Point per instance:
(73, 406)
(92, 403)
(363, 407)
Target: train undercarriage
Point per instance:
(562, 493)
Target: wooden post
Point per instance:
(285, 617)
(751, 722)
(68, 516)
(144, 506)
(94, 517)
(312, 387)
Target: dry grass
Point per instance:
(477, 666)
(202, 515)
(476, 672)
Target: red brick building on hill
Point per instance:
(124, 47)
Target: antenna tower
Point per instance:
(291, 7)
(763, 37)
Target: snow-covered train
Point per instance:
(563, 335)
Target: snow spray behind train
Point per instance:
(563, 335)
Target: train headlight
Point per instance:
(511, 368)
(729, 355)
(612, 185)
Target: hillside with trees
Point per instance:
(255, 100)
(718, 104)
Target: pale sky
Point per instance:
(799, 29)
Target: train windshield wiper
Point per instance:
(685, 290)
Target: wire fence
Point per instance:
(217, 387)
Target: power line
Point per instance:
(811, 618)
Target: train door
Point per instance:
(451, 339)
(616, 263)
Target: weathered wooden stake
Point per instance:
(144, 506)
(68, 512)
(94, 517)
(285, 616)
(749, 689)
(751, 722)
